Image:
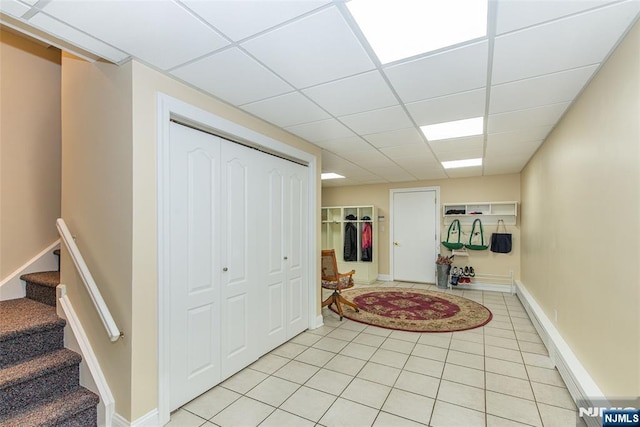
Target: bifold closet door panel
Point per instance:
(194, 269)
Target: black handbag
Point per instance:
(501, 242)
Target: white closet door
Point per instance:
(296, 250)
(240, 303)
(194, 272)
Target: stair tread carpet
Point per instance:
(50, 279)
(24, 316)
(37, 367)
(55, 411)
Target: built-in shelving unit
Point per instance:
(488, 212)
(334, 222)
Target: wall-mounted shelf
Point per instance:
(488, 212)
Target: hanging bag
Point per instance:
(471, 245)
(501, 242)
(454, 228)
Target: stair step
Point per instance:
(28, 329)
(49, 375)
(41, 286)
(75, 409)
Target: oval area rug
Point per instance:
(414, 310)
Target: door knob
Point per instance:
(286, 258)
(225, 269)
(395, 244)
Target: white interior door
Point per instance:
(194, 272)
(414, 235)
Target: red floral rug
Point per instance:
(414, 310)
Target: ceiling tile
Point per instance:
(457, 70)
(514, 15)
(522, 119)
(322, 130)
(459, 144)
(88, 43)
(499, 151)
(459, 106)
(472, 153)
(13, 8)
(233, 76)
(344, 144)
(316, 49)
(464, 172)
(505, 139)
(549, 89)
(413, 151)
(241, 19)
(133, 27)
(429, 172)
(363, 92)
(395, 137)
(376, 121)
(287, 110)
(571, 42)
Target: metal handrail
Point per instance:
(101, 307)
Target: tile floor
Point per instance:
(349, 374)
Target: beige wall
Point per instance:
(479, 189)
(29, 149)
(110, 203)
(581, 224)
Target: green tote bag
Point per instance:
(454, 228)
(473, 246)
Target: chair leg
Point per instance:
(338, 299)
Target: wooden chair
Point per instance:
(335, 281)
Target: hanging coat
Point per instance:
(367, 252)
(350, 242)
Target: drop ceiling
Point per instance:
(306, 67)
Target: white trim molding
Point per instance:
(148, 420)
(581, 386)
(13, 287)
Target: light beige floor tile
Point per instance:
(342, 334)
(502, 342)
(244, 411)
(531, 347)
(435, 340)
(552, 395)
(389, 420)
(269, 363)
(409, 405)
(345, 413)
(368, 339)
(330, 344)
(417, 383)
(505, 367)
(273, 391)
(353, 326)
(494, 421)
(289, 350)
(359, 351)
(501, 333)
(500, 325)
(553, 416)
(430, 352)
(322, 330)
(545, 376)
(448, 415)
(308, 403)
(509, 385)
(345, 364)
(467, 347)
(465, 359)
(366, 393)
(463, 375)
(329, 381)
(474, 335)
(461, 395)
(501, 317)
(389, 358)
(374, 330)
(332, 319)
(528, 336)
(244, 380)
(315, 356)
(305, 338)
(503, 354)
(539, 360)
(280, 418)
(296, 372)
(405, 336)
(513, 408)
(183, 418)
(381, 374)
(424, 366)
(212, 402)
(399, 346)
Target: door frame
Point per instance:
(172, 108)
(394, 191)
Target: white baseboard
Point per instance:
(384, 277)
(319, 322)
(13, 287)
(476, 286)
(91, 376)
(581, 386)
(148, 420)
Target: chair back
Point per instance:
(329, 265)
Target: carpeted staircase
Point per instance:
(39, 378)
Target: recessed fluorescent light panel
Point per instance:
(330, 175)
(398, 29)
(455, 129)
(462, 163)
